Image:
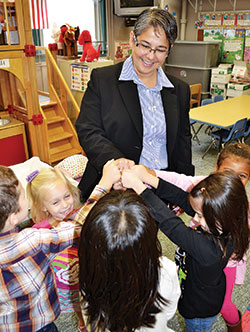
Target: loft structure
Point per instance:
(50, 133)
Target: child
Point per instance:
(125, 281)
(29, 300)
(234, 157)
(53, 199)
(221, 207)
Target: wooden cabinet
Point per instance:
(13, 144)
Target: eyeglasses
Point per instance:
(146, 48)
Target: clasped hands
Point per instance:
(124, 174)
(130, 174)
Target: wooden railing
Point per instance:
(56, 82)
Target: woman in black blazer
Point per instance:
(133, 111)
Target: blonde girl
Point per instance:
(53, 199)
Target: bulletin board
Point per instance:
(233, 29)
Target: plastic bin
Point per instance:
(203, 54)
(191, 75)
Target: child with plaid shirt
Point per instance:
(29, 300)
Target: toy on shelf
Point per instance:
(63, 29)
(89, 53)
(55, 32)
(70, 41)
(67, 44)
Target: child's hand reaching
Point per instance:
(110, 174)
(130, 179)
(145, 175)
(142, 172)
(122, 163)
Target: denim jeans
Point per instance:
(49, 328)
(200, 324)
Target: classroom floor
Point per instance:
(68, 322)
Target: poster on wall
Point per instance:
(80, 75)
(212, 19)
(229, 20)
(214, 34)
(122, 50)
(232, 45)
(247, 46)
(243, 20)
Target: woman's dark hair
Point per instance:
(225, 209)
(9, 194)
(157, 18)
(119, 264)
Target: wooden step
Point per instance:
(48, 104)
(56, 157)
(55, 119)
(50, 112)
(59, 137)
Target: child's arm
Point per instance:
(138, 176)
(110, 175)
(168, 222)
(182, 181)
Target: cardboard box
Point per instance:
(218, 86)
(239, 86)
(224, 78)
(235, 90)
(241, 71)
(221, 89)
(226, 65)
(220, 71)
(223, 69)
(214, 93)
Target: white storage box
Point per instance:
(237, 89)
(221, 78)
(241, 71)
(218, 89)
(238, 86)
(221, 71)
(218, 86)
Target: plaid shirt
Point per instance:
(28, 296)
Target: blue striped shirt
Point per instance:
(154, 152)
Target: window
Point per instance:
(74, 12)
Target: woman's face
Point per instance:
(146, 61)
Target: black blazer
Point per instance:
(110, 124)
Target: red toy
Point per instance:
(89, 53)
(63, 29)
